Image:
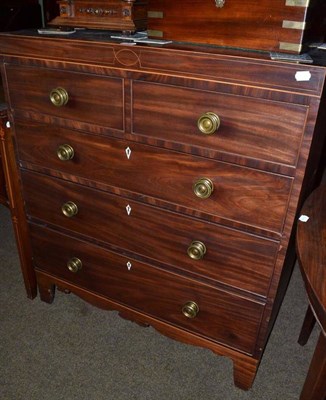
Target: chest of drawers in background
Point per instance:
(3, 120)
(163, 182)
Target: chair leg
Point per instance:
(314, 387)
(307, 327)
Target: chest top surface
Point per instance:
(209, 63)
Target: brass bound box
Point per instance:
(120, 15)
(277, 25)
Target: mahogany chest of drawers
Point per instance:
(162, 182)
(278, 25)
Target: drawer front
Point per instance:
(249, 127)
(91, 98)
(243, 195)
(222, 317)
(231, 257)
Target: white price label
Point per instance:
(304, 218)
(303, 76)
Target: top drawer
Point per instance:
(224, 123)
(90, 98)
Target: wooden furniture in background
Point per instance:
(12, 197)
(3, 188)
(163, 182)
(311, 250)
(279, 25)
(14, 15)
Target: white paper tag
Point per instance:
(304, 218)
(303, 76)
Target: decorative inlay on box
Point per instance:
(121, 15)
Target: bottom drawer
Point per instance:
(223, 317)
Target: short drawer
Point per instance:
(223, 317)
(241, 195)
(231, 257)
(90, 98)
(248, 127)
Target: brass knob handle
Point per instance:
(74, 265)
(69, 209)
(203, 188)
(196, 250)
(190, 309)
(65, 152)
(59, 97)
(208, 123)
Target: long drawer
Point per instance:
(90, 98)
(243, 195)
(231, 257)
(223, 317)
(249, 127)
